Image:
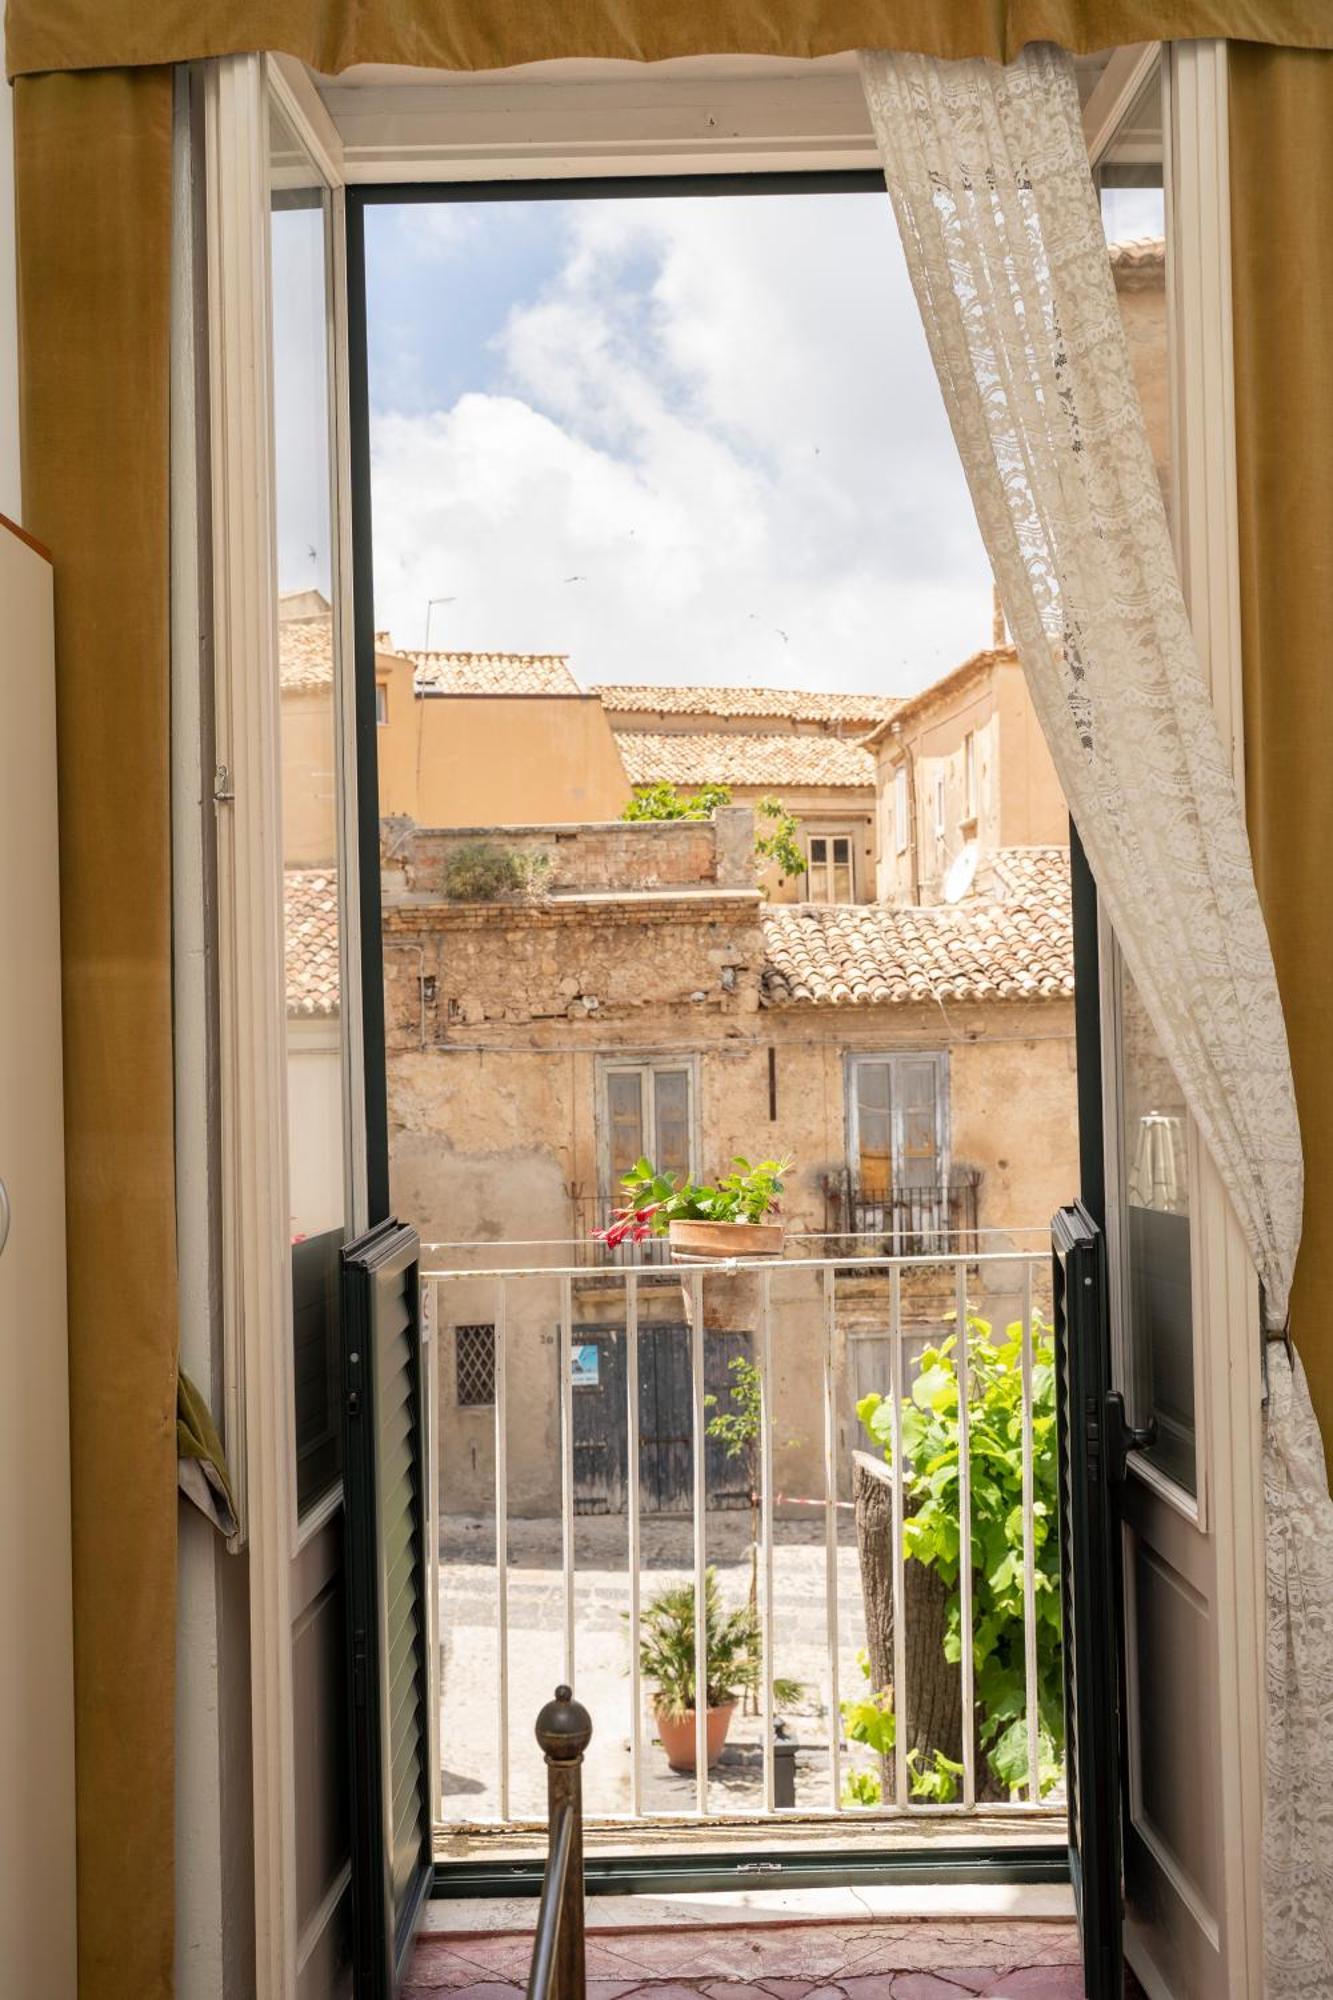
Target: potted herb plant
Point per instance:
(734, 1664)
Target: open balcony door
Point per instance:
(325, 1385)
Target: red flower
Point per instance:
(634, 1223)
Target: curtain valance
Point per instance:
(332, 35)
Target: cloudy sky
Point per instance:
(680, 439)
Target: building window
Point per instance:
(897, 1123)
(970, 775)
(647, 1112)
(939, 806)
(829, 877)
(381, 703)
(902, 831)
(474, 1366)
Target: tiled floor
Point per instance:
(882, 1961)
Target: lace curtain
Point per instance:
(989, 177)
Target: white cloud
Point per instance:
(720, 418)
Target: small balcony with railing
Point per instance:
(790, 1483)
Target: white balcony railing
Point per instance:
(529, 1587)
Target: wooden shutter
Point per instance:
(1090, 1594)
(384, 1455)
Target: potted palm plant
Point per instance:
(734, 1663)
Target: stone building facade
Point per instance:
(652, 997)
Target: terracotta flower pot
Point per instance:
(725, 1239)
(677, 1735)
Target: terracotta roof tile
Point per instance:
(1028, 874)
(982, 949)
(305, 654)
(742, 759)
(780, 704)
(310, 908)
(493, 673)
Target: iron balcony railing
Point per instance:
(523, 1613)
(919, 1221)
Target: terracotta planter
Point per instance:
(692, 1241)
(677, 1734)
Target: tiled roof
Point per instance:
(983, 949)
(737, 759)
(305, 653)
(781, 704)
(310, 908)
(493, 673)
(1029, 874)
(1138, 253)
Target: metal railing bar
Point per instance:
(793, 1235)
(567, 1468)
(967, 1663)
(668, 1271)
(502, 1540)
(899, 1582)
(831, 1541)
(551, 1909)
(698, 1511)
(632, 1504)
(1029, 1555)
(766, 1526)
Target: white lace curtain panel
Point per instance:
(989, 178)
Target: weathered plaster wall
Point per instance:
(438, 759)
(493, 1134)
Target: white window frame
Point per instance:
(259, 1400)
(644, 1065)
(855, 1059)
(828, 865)
(940, 815)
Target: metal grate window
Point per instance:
(474, 1366)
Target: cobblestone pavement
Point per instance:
(470, 1657)
(884, 1961)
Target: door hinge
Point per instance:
(1123, 1437)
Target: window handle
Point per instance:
(4, 1215)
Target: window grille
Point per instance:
(474, 1366)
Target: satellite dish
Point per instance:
(962, 873)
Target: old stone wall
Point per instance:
(494, 1145)
(599, 856)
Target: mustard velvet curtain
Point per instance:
(93, 157)
(1282, 252)
(494, 34)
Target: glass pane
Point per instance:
(308, 735)
(874, 1127)
(671, 1088)
(818, 853)
(917, 1093)
(1158, 1305)
(624, 1105)
(1131, 184)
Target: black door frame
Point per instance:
(615, 1875)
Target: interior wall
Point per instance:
(10, 491)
